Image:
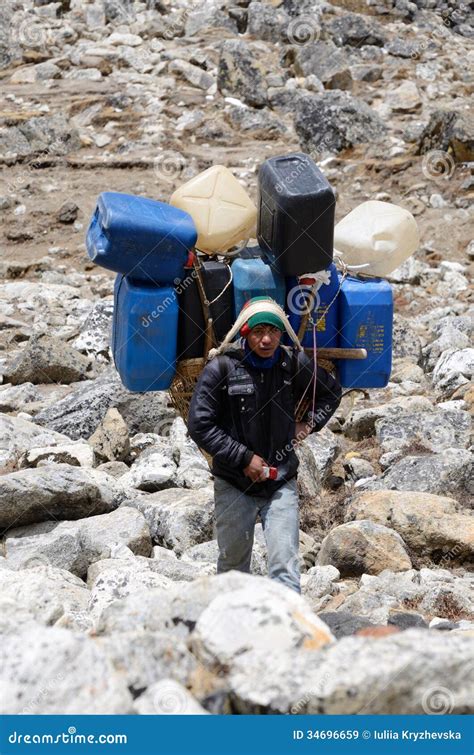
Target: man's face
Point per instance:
(264, 340)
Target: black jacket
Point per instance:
(237, 410)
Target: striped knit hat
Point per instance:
(260, 309)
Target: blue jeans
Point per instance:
(236, 514)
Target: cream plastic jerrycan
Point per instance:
(378, 235)
(223, 213)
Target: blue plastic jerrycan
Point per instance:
(254, 277)
(366, 319)
(325, 311)
(144, 334)
(141, 238)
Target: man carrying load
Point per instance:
(242, 413)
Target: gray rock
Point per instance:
(55, 492)
(449, 130)
(95, 335)
(239, 73)
(430, 525)
(324, 60)
(355, 29)
(334, 121)
(453, 368)
(309, 481)
(74, 545)
(266, 22)
(343, 624)
(358, 468)
(79, 413)
(18, 435)
(115, 469)
(68, 212)
(52, 671)
(193, 469)
(363, 547)
(435, 431)
(14, 397)
(320, 582)
(250, 619)
(449, 338)
(123, 578)
(75, 453)
(192, 74)
(110, 440)
(177, 518)
(405, 98)
(259, 124)
(407, 620)
(325, 447)
(208, 15)
(181, 571)
(44, 591)
(406, 342)
(361, 422)
(154, 470)
(449, 473)
(428, 591)
(47, 360)
(51, 133)
(406, 673)
(168, 697)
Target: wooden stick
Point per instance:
(340, 353)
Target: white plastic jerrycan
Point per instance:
(222, 211)
(378, 236)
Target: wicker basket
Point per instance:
(187, 375)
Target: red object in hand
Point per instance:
(271, 472)
(190, 261)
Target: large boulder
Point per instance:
(429, 524)
(450, 131)
(254, 618)
(178, 518)
(362, 547)
(58, 491)
(355, 29)
(406, 673)
(45, 592)
(17, 436)
(118, 579)
(74, 545)
(47, 359)
(448, 473)
(324, 60)
(436, 430)
(361, 422)
(431, 592)
(240, 74)
(146, 657)
(334, 121)
(79, 414)
(95, 335)
(110, 440)
(53, 671)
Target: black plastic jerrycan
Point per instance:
(191, 324)
(296, 214)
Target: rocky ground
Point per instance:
(109, 598)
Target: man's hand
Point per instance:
(255, 469)
(301, 431)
